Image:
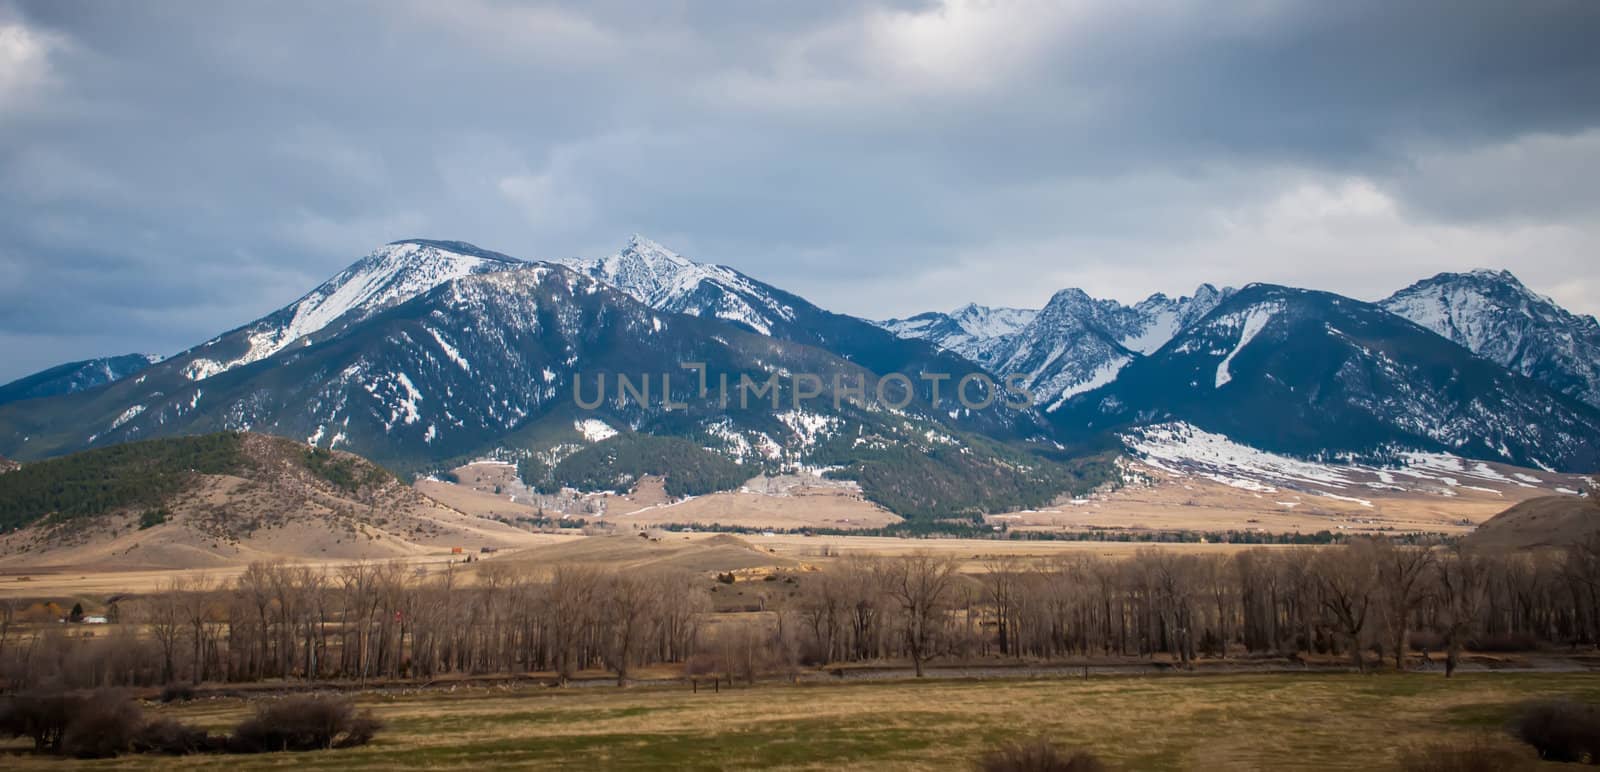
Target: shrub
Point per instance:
(1038, 755)
(303, 724)
(1481, 754)
(1561, 730)
(165, 735)
(40, 717)
(177, 692)
(102, 726)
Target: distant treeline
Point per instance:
(949, 482)
(615, 464)
(958, 529)
(1366, 600)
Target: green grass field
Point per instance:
(1320, 721)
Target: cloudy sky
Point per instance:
(169, 170)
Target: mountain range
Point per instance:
(1313, 373)
(425, 353)
(429, 352)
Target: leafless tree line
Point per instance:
(371, 621)
(1368, 601)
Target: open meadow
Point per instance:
(1235, 721)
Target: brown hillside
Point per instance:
(7, 465)
(276, 506)
(1547, 521)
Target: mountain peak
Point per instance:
(653, 252)
(1498, 318)
(1071, 295)
(667, 281)
(389, 276)
(1490, 273)
(455, 247)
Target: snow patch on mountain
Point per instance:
(449, 350)
(594, 429)
(1172, 446)
(1104, 374)
(127, 415)
(1182, 449)
(1252, 325)
(808, 427)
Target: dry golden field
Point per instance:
(702, 552)
(1206, 722)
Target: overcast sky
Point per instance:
(169, 170)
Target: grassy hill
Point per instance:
(219, 499)
(1547, 521)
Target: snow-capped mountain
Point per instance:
(74, 377)
(1312, 373)
(490, 361)
(1496, 317)
(971, 330)
(389, 276)
(1065, 349)
(1074, 344)
(1156, 319)
(668, 281)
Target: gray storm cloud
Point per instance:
(170, 170)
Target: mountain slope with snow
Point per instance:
(389, 276)
(668, 281)
(971, 330)
(1074, 344)
(1496, 317)
(74, 377)
(1316, 374)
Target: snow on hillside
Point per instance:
(1074, 344)
(1184, 450)
(594, 429)
(668, 281)
(1250, 326)
(389, 276)
(1493, 315)
(973, 331)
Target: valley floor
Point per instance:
(702, 552)
(1236, 721)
